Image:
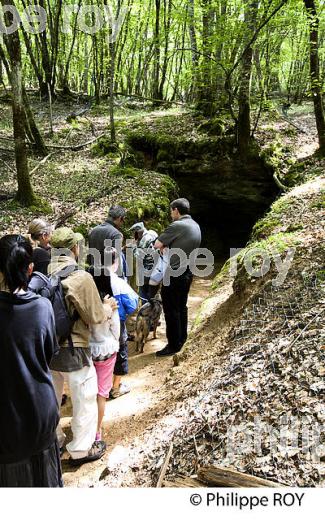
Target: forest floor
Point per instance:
(84, 183)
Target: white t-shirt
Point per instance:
(104, 338)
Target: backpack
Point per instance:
(51, 288)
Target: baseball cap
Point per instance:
(139, 226)
(66, 238)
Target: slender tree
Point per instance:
(25, 194)
(316, 88)
(244, 116)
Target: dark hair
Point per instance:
(116, 212)
(16, 254)
(103, 279)
(182, 205)
(109, 257)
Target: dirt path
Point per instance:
(128, 416)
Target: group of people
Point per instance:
(93, 359)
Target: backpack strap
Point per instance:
(40, 284)
(64, 273)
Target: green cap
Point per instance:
(65, 238)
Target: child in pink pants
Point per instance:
(104, 344)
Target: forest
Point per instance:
(136, 103)
(235, 56)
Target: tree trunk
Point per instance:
(65, 86)
(313, 20)
(244, 115)
(195, 55)
(111, 91)
(155, 90)
(205, 89)
(167, 24)
(219, 75)
(37, 138)
(25, 194)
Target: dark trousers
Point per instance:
(121, 367)
(174, 300)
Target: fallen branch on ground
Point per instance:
(8, 166)
(292, 124)
(218, 476)
(74, 148)
(184, 482)
(43, 161)
(70, 213)
(6, 196)
(62, 220)
(153, 100)
(165, 466)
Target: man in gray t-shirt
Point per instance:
(184, 235)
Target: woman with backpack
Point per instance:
(29, 452)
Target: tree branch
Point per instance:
(254, 37)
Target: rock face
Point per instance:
(227, 195)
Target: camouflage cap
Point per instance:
(65, 238)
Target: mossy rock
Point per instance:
(278, 242)
(145, 142)
(104, 146)
(151, 208)
(127, 172)
(165, 156)
(215, 126)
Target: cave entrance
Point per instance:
(227, 195)
(228, 202)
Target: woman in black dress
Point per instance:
(29, 453)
